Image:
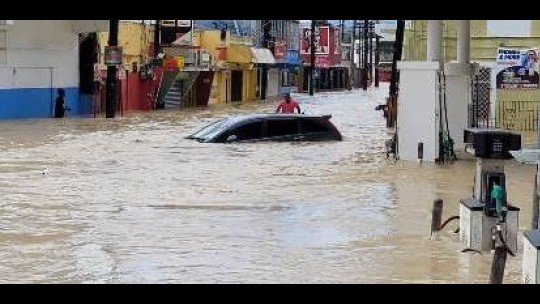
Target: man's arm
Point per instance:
(298, 107)
(278, 108)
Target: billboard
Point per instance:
(322, 41)
(517, 68)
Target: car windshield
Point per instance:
(212, 129)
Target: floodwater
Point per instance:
(131, 201)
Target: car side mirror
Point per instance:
(231, 138)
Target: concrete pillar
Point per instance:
(434, 41)
(464, 41)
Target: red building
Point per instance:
(329, 72)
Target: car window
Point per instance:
(252, 130)
(211, 129)
(312, 126)
(281, 127)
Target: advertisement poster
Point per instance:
(517, 68)
(322, 40)
(280, 49)
(113, 55)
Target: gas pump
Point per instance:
(488, 217)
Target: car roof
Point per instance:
(272, 116)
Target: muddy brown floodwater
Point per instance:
(131, 201)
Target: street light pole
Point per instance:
(312, 57)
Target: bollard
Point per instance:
(420, 151)
(497, 266)
(436, 215)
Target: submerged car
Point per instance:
(269, 127)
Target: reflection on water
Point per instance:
(132, 201)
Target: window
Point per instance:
(282, 127)
(312, 126)
(252, 130)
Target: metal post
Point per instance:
(377, 59)
(312, 57)
(111, 73)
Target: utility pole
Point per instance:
(371, 32)
(366, 51)
(156, 38)
(377, 59)
(110, 102)
(267, 27)
(342, 29)
(392, 99)
(312, 57)
(175, 30)
(352, 53)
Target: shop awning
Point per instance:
(262, 55)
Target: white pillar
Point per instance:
(464, 41)
(434, 41)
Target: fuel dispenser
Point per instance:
(488, 213)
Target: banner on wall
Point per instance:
(517, 68)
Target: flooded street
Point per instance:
(132, 201)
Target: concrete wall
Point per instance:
(418, 111)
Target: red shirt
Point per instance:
(288, 107)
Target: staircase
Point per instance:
(176, 96)
(173, 98)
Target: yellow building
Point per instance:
(135, 39)
(516, 109)
(235, 78)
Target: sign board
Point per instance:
(322, 40)
(113, 55)
(205, 58)
(183, 23)
(517, 68)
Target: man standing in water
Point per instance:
(287, 106)
(59, 106)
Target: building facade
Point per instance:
(37, 57)
(516, 109)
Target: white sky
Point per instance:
(514, 28)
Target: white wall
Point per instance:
(46, 44)
(417, 119)
(458, 98)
